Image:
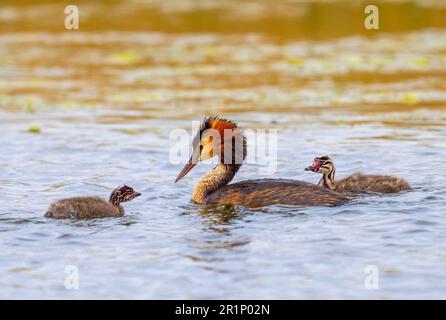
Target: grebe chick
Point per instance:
(222, 138)
(92, 207)
(357, 182)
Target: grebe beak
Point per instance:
(309, 168)
(136, 194)
(188, 167)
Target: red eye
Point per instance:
(316, 164)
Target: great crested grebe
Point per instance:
(92, 207)
(224, 139)
(357, 182)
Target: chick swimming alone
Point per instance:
(92, 207)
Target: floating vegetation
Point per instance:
(34, 129)
(124, 57)
(297, 62)
(129, 132)
(410, 99)
(30, 106)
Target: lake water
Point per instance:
(84, 111)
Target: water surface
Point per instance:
(83, 112)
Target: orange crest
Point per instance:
(217, 123)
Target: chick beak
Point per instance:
(314, 167)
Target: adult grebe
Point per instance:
(224, 139)
(357, 182)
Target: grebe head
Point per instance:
(217, 137)
(322, 165)
(123, 194)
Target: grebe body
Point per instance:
(265, 192)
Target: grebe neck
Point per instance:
(328, 180)
(215, 179)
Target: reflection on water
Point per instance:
(82, 112)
